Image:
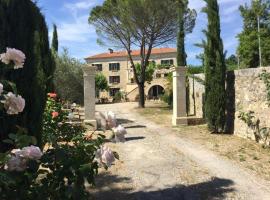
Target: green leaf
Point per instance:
(8, 141)
(12, 136)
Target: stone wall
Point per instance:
(245, 92)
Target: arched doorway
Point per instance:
(155, 92)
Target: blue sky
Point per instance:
(79, 37)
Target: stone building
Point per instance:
(117, 69)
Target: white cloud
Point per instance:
(80, 5)
(77, 30)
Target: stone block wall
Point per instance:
(196, 95)
(245, 92)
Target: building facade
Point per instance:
(117, 69)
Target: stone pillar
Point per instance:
(89, 95)
(179, 97)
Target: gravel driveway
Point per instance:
(157, 164)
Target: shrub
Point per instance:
(69, 159)
(68, 78)
(118, 97)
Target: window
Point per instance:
(114, 79)
(113, 91)
(167, 62)
(158, 75)
(98, 67)
(114, 66)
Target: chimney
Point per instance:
(111, 50)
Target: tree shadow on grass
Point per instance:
(111, 187)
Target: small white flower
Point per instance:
(105, 156)
(1, 88)
(14, 55)
(32, 152)
(70, 116)
(14, 104)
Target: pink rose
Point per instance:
(14, 104)
(55, 114)
(111, 120)
(14, 55)
(32, 152)
(119, 133)
(120, 130)
(105, 156)
(52, 95)
(16, 163)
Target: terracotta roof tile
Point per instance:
(134, 53)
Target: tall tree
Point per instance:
(68, 78)
(55, 39)
(33, 81)
(215, 70)
(142, 24)
(248, 39)
(184, 27)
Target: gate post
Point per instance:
(89, 73)
(179, 97)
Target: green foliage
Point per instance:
(231, 63)
(215, 70)
(248, 39)
(22, 26)
(55, 39)
(186, 23)
(118, 97)
(148, 72)
(68, 78)
(195, 69)
(265, 76)
(68, 162)
(168, 95)
(101, 83)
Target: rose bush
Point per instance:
(68, 159)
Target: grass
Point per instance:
(246, 153)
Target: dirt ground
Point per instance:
(159, 162)
(244, 152)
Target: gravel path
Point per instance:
(157, 164)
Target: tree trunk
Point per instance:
(141, 95)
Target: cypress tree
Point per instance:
(55, 39)
(186, 23)
(215, 70)
(22, 26)
(181, 53)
